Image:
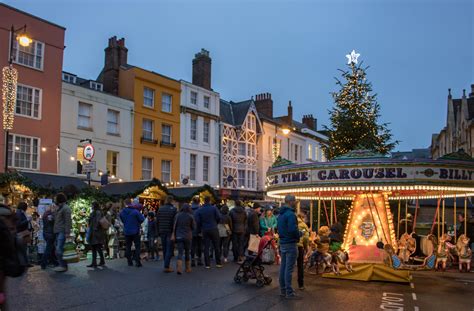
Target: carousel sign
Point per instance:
(390, 173)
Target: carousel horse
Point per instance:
(406, 247)
(443, 251)
(464, 252)
(340, 257)
(391, 259)
(431, 246)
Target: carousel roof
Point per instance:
(362, 171)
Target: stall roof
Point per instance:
(121, 188)
(53, 181)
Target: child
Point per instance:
(152, 236)
(322, 245)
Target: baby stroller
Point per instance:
(252, 268)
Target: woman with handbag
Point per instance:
(225, 231)
(268, 222)
(96, 235)
(182, 235)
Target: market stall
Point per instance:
(185, 194)
(150, 193)
(370, 180)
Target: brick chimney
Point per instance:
(289, 118)
(115, 56)
(310, 122)
(202, 69)
(264, 104)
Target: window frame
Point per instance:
(145, 88)
(206, 102)
(206, 136)
(163, 125)
(91, 108)
(16, 53)
(150, 170)
(193, 168)
(40, 101)
(193, 129)
(112, 165)
(205, 168)
(163, 95)
(12, 152)
(195, 98)
(117, 112)
(167, 172)
(152, 129)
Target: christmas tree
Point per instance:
(354, 118)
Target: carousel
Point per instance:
(372, 247)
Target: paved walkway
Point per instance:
(119, 287)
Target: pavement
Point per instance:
(119, 287)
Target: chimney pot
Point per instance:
(464, 93)
(472, 91)
(202, 69)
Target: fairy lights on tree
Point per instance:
(10, 77)
(355, 116)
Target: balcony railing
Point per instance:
(147, 140)
(167, 144)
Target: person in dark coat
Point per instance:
(207, 218)
(152, 235)
(23, 227)
(238, 217)
(48, 235)
(165, 222)
(96, 236)
(131, 219)
(196, 245)
(225, 231)
(183, 235)
(253, 222)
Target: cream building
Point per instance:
(89, 113)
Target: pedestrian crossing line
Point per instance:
(412, 285)
(413, 295)
(416, 308)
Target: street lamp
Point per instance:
(287, 131)
(9, 85)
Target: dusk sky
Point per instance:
(416, 49)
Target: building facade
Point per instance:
(240, 133)
(459, 130)
(35, 134)
(200, 143)
(299, 142)
(156, 135)
(87, 112)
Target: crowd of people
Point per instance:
(203, 233)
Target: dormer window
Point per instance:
(96, 86)
(70, 78)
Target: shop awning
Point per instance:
(53, 181)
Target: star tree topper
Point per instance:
(352, 58)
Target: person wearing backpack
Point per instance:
(96, 235)
(62, 229)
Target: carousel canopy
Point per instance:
(362, 171)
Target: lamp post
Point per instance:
(287, 131)
(9, 86)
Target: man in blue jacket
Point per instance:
(207, 218)
(289, 237)
(132, 220)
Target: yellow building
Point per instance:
(156, 113)
(155, 123)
